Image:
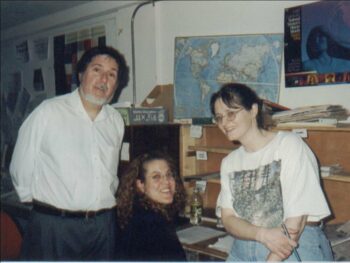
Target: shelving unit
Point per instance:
(145, 138)
(330, 145)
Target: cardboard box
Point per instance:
(144, 115)
(161, 96)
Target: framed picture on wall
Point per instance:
(317, 44)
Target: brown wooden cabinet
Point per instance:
(330, 145)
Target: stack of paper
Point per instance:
(223, 244)
(197, 234)
(319, 115)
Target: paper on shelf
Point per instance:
(223, 244)
(343, 234)
(197, 234)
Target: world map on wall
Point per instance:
(203, 64)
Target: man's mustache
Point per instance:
(103, 87)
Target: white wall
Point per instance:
(202, 18)
(156, 28)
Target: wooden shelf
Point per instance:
(214, 181)
(331, 145)
(325, 129)
(339, 178)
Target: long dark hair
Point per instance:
(128, 193)
(235, 95)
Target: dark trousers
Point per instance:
(50, 237)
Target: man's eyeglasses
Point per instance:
(230, 115)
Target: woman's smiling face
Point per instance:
(159, 183)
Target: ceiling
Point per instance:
(15, 12)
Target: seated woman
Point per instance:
(150, 195)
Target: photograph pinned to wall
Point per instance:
(22, 52)
(203, 64)
(41, 48)
(317, 44)
(38, 80)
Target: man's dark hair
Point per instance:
(123, 69)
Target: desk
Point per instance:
(201, 251)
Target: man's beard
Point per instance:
(94, 100)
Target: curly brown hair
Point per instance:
(128, 193)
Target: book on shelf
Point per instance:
(274, 107)
(143, 115)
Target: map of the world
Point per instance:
(203, 64)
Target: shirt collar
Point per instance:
(75, 101)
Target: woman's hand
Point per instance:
(276, 241)
(273, 257)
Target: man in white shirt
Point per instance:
(65, 162)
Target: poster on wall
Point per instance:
(204, 64)
(22, 52)
(317, 44)
(41, 48)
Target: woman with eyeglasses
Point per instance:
(270, 181)
(150, 196)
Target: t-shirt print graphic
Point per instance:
(257, 195)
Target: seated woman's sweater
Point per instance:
(148, 236)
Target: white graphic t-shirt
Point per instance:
(279, 181)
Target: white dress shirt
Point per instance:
(65, 159)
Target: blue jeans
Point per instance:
(313, 246)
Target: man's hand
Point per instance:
(276, 242)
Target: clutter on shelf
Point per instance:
(312, 116)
